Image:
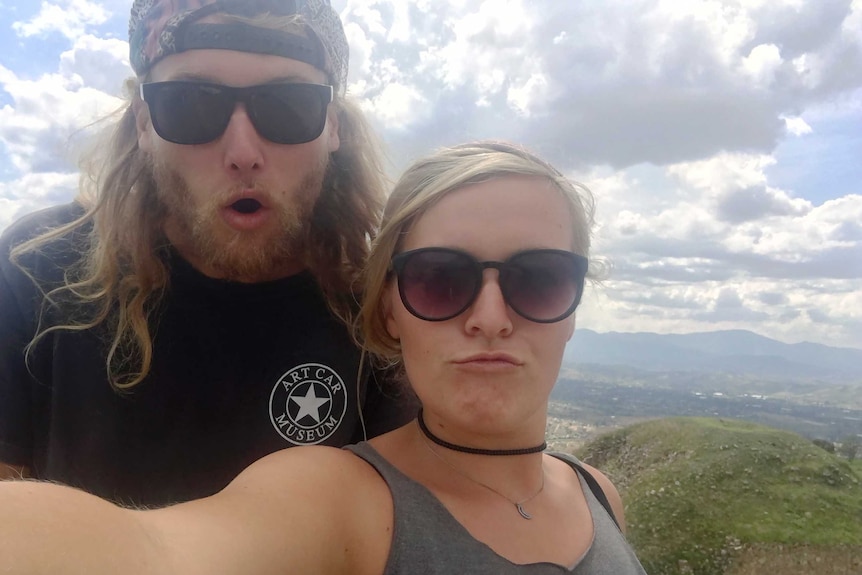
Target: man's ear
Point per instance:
(143, 124)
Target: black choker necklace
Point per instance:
(476, 450)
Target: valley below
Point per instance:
(588, 401)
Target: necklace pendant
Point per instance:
(523, 513)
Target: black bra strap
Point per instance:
(596, 489)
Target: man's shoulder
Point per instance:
(48, 261)
(36, 223)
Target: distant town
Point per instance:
(627, 386)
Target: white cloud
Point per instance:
(42, 127)
(71, 18)
(397, 106)
(620, 83)
(724, 172)
(361, 49)
(47, 116)
(97, 63)
(34, 191)
(796, 126)
(711, 245)
(529, 95)
(721, 28)
(835, 225)
(782, 309)
(762, 63)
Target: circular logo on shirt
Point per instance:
(308, 404)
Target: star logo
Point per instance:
(308, 404)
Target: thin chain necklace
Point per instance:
(518, 504)
(475, 450)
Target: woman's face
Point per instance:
(487, 370)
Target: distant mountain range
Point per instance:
(736, 352)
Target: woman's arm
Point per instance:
(54, 529)
(309, 510)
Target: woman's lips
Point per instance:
(488, 361)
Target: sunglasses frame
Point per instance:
(399, 261)
(245, 95)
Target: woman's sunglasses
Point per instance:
(187, 112)
(437, 284)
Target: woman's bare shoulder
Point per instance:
(314, 470)
(611, 493)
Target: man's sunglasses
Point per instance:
(187, 112)
(437, 284)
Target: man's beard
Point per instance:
(247, 256)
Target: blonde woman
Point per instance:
(471, 287)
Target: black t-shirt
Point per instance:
(239, 371)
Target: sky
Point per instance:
(722, 140)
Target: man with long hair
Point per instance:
(189, 312)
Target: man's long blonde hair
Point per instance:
(120, 277)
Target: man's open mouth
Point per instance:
(246, 206)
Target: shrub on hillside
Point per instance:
(824, 445)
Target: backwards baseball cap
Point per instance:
(159, 28)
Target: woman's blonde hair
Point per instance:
(425, 183)
(120, 277)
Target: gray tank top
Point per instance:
(428, 540)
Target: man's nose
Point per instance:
(243, 146)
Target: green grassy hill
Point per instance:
(725, 497)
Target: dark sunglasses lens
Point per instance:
(289, 113)
(542, 286)
(188, 113)
(438, 285)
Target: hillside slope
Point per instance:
(719, 496)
